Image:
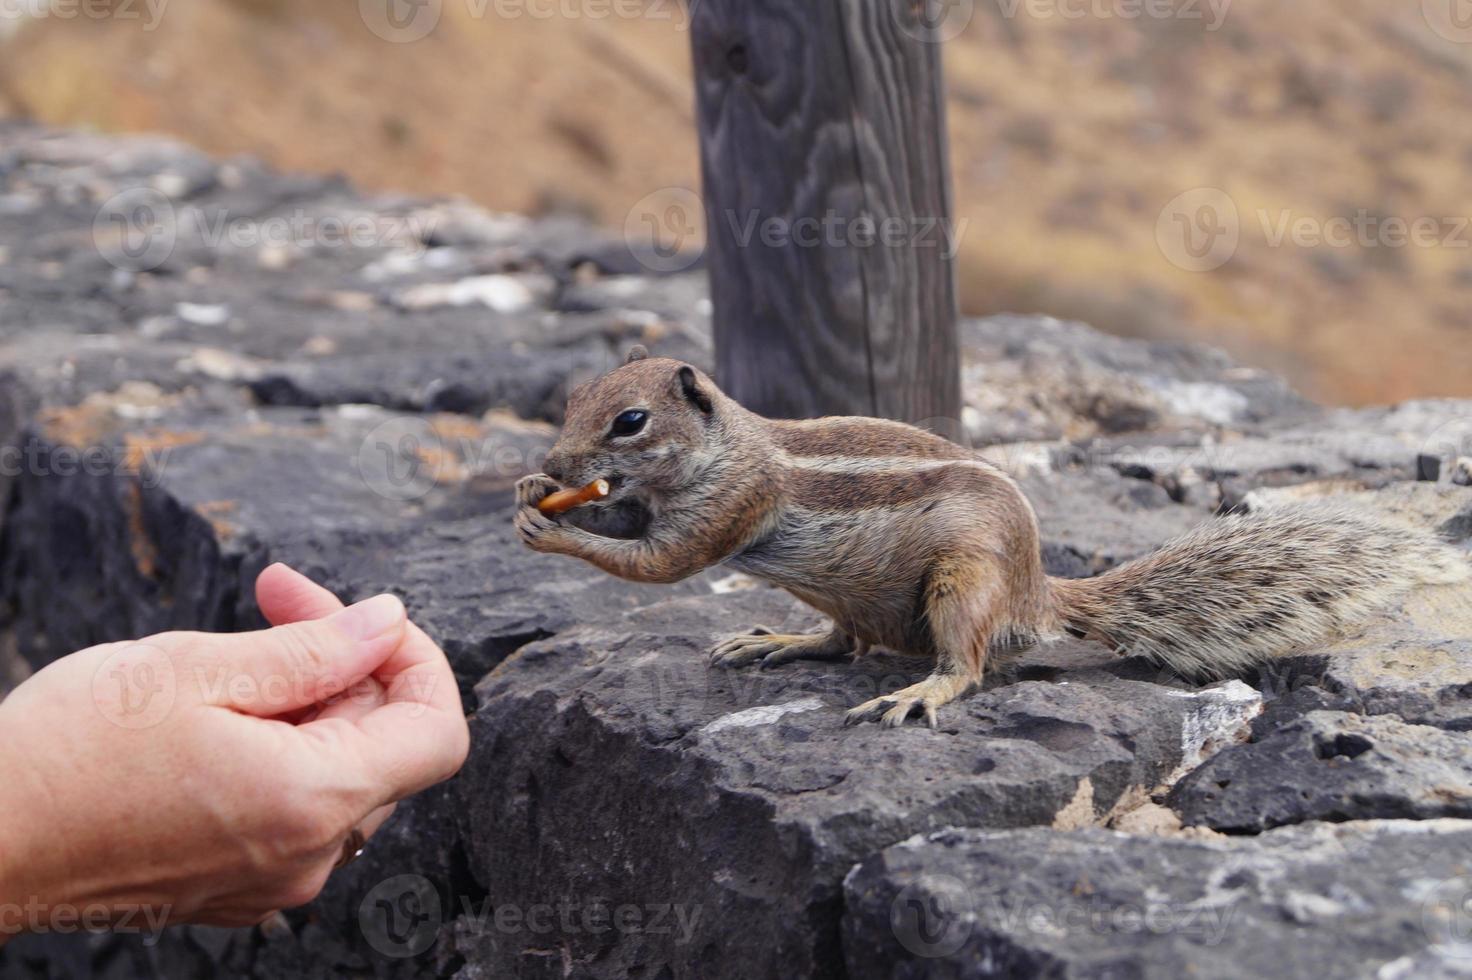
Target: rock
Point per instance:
(1374, 899)
(740, 796)
(1331, 766)
(500, 292)
(1344, 451)
(1093, 520)
(330, 295)
(1416, 662)
(1036, 379)
(177, 417)
(13, 667)
(171, 516)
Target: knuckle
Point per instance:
(304, 652)
(310, 827)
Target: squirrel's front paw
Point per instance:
(538, 531)
(532, 490)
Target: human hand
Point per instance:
(214, 777)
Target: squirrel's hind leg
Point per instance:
(772, 649)
(960, 604)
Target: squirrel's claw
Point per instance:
(774, 649)
(869, 710)
(535, 528)
(897, 708)
(531, 490)
(747, 648)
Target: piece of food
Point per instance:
(565, 500)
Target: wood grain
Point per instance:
(815, 118)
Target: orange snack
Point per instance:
(565, 500)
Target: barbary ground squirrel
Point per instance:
(910, 542)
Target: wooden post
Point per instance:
(828, 207)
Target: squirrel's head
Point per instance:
(649, 427)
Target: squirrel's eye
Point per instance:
(628, 422)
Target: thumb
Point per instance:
(301, 664)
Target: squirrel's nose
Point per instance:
(555, 468)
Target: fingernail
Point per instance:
(369, 618)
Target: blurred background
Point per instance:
(1285, 180)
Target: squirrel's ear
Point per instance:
(692, 391)
(636, 353)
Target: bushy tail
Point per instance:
(1239, 590)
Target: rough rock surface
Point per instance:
(1330, 765)
(1382, 899)
(175, 418)
(747, 790)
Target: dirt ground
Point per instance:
(1105, 160)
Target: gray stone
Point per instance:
(1092, 520)
(1029, 378)
(1344, 451)
(1331, 766)
(362, 410)
(741, 797)
(1381, 899)
(1416, 662)
(184, 507)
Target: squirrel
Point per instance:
(907, 541)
